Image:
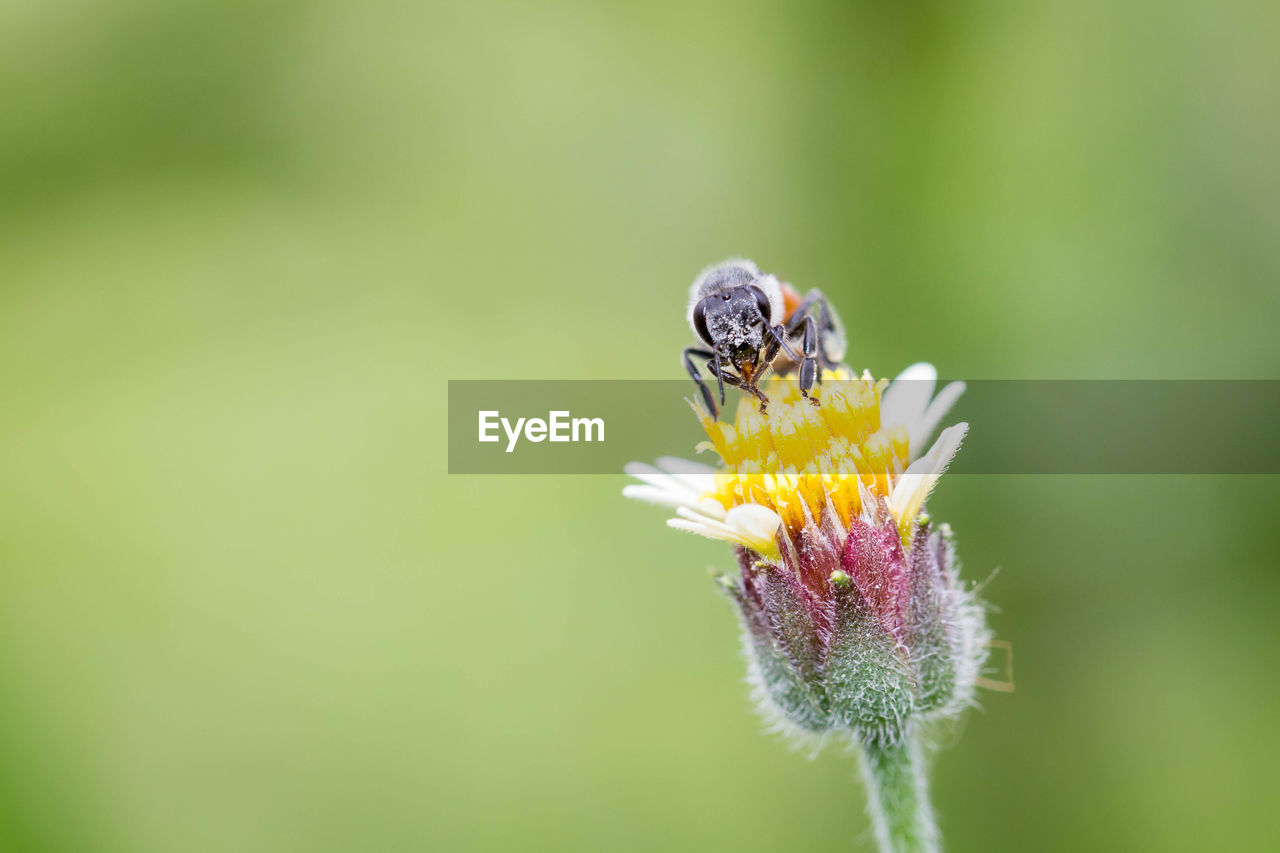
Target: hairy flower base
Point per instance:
(851, 630)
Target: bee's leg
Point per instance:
(815, 302)
(779, 333)
(771, 350)
(707, 397)
(770, 353)
(751, 388)
(809, 364)
(719, 376)
(759, 395)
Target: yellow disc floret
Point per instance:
(800, 459)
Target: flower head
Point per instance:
(852, 612)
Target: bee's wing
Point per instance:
(834, 341)
(818, 306)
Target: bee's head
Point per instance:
(730, 310)
(732, 321)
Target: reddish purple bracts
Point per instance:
(852, 630)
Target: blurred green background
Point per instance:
(243, 246)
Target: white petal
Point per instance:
(699, 528)
(678, 466)
(661, 479)
(915, 484)
(706, 527)
(944, 449)
(711, 508)
(643, 471)
(694, 512)
(700, 482)
(755, 518)
(905, 400)
(928, 422)
(750, 525)
(767, 547)
(655, 495)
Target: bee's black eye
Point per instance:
(700, 321)
(763, 302)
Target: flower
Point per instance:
(853, 615)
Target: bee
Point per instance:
(751, 322)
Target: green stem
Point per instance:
(898, 794)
